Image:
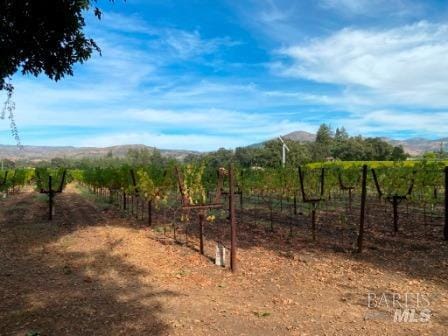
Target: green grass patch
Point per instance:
(261, 314)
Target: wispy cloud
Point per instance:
(219, 121)
(406, 65)
(175, 42)
(399, 124)
(190, 44)
(371, 7)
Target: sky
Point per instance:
(200, 75)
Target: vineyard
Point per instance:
(342, 204)
(339, 204)
(318, 236)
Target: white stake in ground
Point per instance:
(284, 149)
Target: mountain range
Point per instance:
(413, 146)
(39, 153)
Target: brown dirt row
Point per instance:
(93, 272)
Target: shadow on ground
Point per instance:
(52, 289)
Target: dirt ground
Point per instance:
(93, 272)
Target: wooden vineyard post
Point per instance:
(313, 201)
(124, 200)
(377, 185)
(201, 232)
(445, 229)
(322, 182)
(232, 220)
(51, 193)
(363, 208)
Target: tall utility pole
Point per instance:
(284, 149)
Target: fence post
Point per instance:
(445, 229)
(232, 220)
(363, 208)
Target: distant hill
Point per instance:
(39, 153)
(300, 136)
(418, 146)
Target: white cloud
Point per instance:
(353, 6)
(120, 64)
(281, 20)
(370, 7)
(166, 41)
(220, 121)
(391, 121)
(405, 65)
(185, 44)
(123, 23)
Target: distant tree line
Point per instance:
(328, 145)
(134, 157)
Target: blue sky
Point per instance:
(207, 74)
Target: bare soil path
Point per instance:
(93, 272)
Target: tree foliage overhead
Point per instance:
(43, 36)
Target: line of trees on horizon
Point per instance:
(328, 145)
